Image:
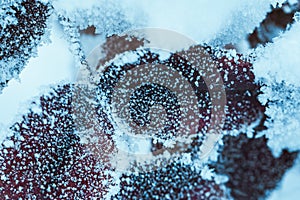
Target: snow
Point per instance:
(281, 59)
(277, 66)
(107, 16)
(37, 77)
(19, 44)
(88, 41)
(203, 21)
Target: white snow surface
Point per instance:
(217, 23)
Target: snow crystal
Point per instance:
(284, 122)
(277, 67)
(280, 59)
(8, 143)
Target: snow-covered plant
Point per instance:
(204, 106)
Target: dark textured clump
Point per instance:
(20, 37)
(174, 181)
(45, 158)
(243, 106)
(252, 169)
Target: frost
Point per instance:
(277, 67)
(235, 31)
(207, 173)
(19, 93)
(283, 110)
(107, 17)
(50, 146)
(8, 144)
(280, 60)
(68, 143)
(22, 25)
(217, 23)
(171, 178)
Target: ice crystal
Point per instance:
(277, 68)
